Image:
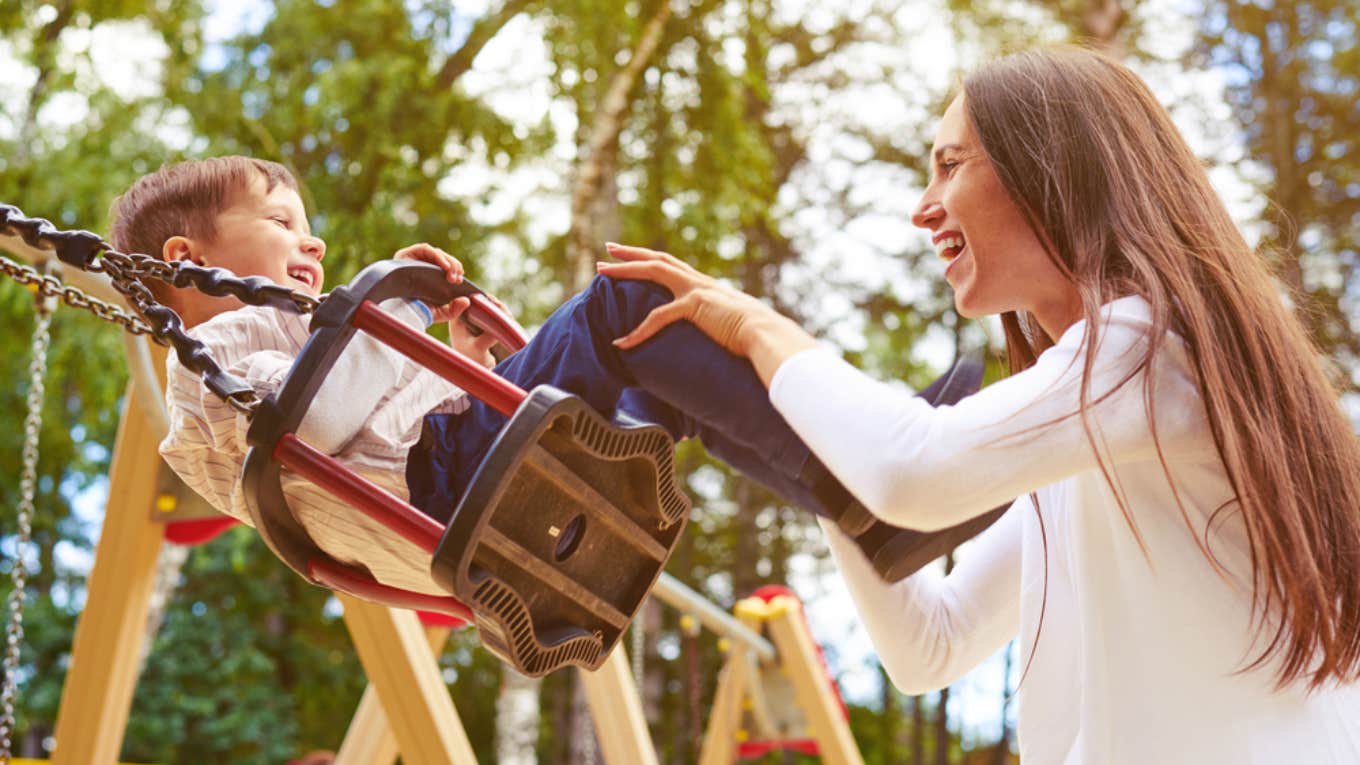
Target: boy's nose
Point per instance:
(314, 246)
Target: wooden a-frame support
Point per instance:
(739, 691)
(397, 657)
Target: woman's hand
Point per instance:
(718, 310)
(461, 338)
(738, 322)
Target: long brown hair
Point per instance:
(1125, 208)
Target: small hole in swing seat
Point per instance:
(570, 538)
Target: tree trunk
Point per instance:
(747, 552)
(594, 174)
(942, 710)
(918, 731)
(1001, 754)
(584, 749)
(482, 32)
(887, 731)
(942, 728)
(517, 718)
(45, 58)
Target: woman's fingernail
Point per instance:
(610, 245)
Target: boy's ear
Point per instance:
(179, 248)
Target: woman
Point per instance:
(1182, 558)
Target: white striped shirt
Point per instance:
(367, 414)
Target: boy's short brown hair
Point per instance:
(184, 199)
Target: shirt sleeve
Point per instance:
(930, 468)
(207, 445)
(930, 629)
(364, 374)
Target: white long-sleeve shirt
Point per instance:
(1138, 657)
(367, 413)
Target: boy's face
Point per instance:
(263, 233)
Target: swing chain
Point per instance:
(126, 272)
(49, 286)
(14, 632)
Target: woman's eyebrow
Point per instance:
(940, 150)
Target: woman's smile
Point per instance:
(954, 261)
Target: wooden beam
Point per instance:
(369, 740)
(724, 719)
(798, 656)
(397, 659)
(620, 725)
(97, 695)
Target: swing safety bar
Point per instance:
(561, 532)
(497, 392)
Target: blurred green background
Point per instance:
(780, 144)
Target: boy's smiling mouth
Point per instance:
(305, 275)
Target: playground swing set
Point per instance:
(559, 539)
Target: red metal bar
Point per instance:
(492, 318)
(324, 471)
(345, 580)
(497, 392)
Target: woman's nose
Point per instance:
(928, 214)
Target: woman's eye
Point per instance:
(949, 166)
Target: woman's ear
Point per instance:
(179, 248)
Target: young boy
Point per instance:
(401, 426)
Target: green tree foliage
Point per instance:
(745, 121)
(67, 143)
(1293, 72)
(360, 100)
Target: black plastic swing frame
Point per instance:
(561, 533)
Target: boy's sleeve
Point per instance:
(206, 445)
(361, 378)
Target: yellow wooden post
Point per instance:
(97, 696)
(798, 657)
(397, 659)
(724, 719)
(369, 740)
(616, 709)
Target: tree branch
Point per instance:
(44, 57)
(602, 144)
(482, 33)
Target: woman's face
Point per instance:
(995, 262)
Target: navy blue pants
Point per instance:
(679, 379)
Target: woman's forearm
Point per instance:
(771, 339)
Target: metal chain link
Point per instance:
(126, 272)
(14, 633)
(49, 286)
